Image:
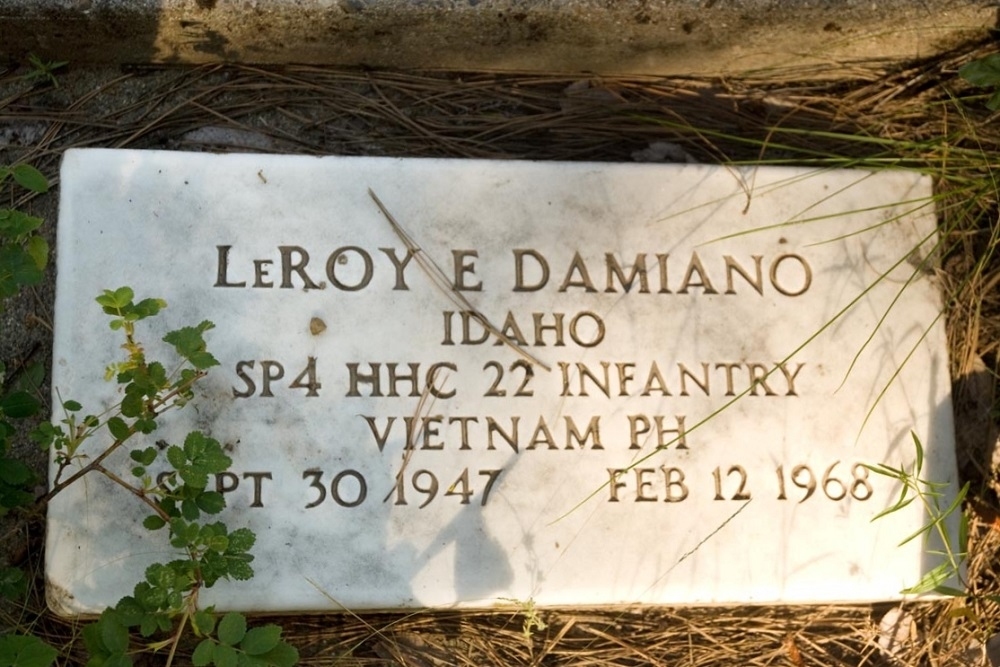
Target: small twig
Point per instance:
(138, 493)
(440, 281)
(96, 463)
(180, 628)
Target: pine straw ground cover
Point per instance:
(920, 116)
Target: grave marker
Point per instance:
(450, 383)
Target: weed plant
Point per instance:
(166, 602)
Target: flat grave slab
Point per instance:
(578, 384)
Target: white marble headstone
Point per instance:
(698, 359)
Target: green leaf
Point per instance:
(25, 651)
(38, 249)
(189, 510)
(116, 300)
(15, 472)
(225, 656)
(919, 463)
(13, 583)
(240, 570)
(994, 102)
(132, 405)
(203, 622)
(92, 640)
(932, 580)
(119, 429)
(114, 635)
(143, 456)
(982, 72)
(218, 543)
(204, 654)
(145, 425)
(148, 308)
(148, 625)
(190, 344)
(15, 224)
(72, 406)
(282, 655)
(130, 612)
(17, 268)
(241, 539)
(153, 522)
(31, 379)
(232, 628)
(261, 640)
(19, 404)
(30, 178)
(948, 590)
(211, 502)
(176, 457)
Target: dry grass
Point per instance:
(920, 115)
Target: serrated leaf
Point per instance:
(15, 472)
(132, 405)
(25, 651)
(190, 344)
(148, 307)
(261, 640)
(282, 655)
(15, 224)
(118, 428)
(218, 543)
(982, 72)
(145, 425)
(19, 404)
(136, 455)
(211, 502)
(114, 635)
(123, 296)
(241, 539)
(92, 640)
(189, 510)
(118, 660)
(252, 661)
(153, 522)
(176, 457)
(204, 653)
(202, 360)
(225, 656)
(130, 612)
(30, 178)
(203, 621)
(240, 570)
(232, 628)
(17, 268)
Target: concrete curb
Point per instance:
(693, 37)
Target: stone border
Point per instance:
(693, 37)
